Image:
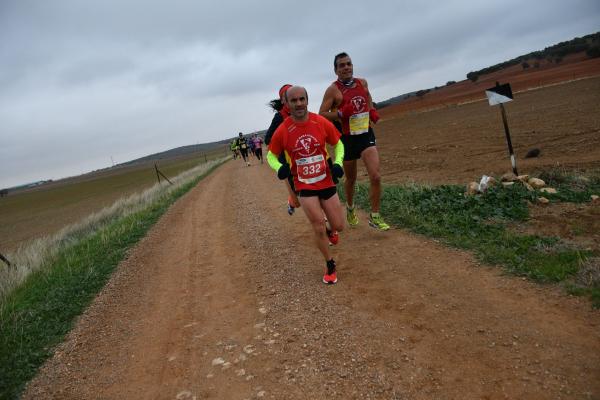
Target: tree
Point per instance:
(472, 76)
(525, 64)
(593, 51)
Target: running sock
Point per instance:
(330, 267)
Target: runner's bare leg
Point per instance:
(314, 213)
(334, 212)
(349, 180)
(370, 157)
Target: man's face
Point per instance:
(344, 69)
(297, 102)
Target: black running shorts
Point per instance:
(354, 145)
(323, 194)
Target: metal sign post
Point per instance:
(501, 94)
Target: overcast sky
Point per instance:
(83, 81)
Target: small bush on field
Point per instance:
(572, 186)
(589, 273)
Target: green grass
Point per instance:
(36, 316)
(478, 223)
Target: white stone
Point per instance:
(472, 188)
(536, 183)
(218, 361)
(508, 177)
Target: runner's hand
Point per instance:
(284, 171)
(374, 115)
(346, 111)
(337, 172)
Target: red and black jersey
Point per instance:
(358, 96)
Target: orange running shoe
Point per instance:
(330, 276)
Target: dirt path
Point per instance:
(223, 300)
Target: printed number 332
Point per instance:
(311, 169)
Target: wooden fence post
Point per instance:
(4, 259)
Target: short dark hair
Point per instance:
(337, 57)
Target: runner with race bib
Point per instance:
(348, 102)
(303, 138)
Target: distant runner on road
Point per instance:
(250, 146)
(234, 149)
(242, 145)
(282, 112)
(348, 100)
(303, 138)
(257, 141)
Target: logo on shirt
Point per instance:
(306, 145)
(359, 103)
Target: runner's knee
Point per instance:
(318, 226)
(375, 178)
(339, 226)
(350, 177)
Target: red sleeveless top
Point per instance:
(358, 123)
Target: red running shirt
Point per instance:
(358, 123)
(304, 144)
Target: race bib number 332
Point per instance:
(311, 169)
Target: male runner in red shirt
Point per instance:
(303, 138)
(348, 101)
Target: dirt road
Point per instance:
(223, 300)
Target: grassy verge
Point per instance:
(36, 315)
(478, 223)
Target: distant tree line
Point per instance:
(589, 43)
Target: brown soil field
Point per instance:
(32, 213)
(573, 67)
(461, 143)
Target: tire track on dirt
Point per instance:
(223, 300)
